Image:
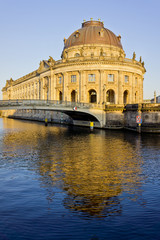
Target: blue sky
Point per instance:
(33, 30)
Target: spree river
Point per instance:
(68, 183)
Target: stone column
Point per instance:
(155, 100)
(56, 91)
(138, 88)
(120, 88)
(42, 90)
(83, 86)
(116, 97)
(66, 87)
(49, 87)
(36, 90)
(63, 86)
(141, 90)
(79, 99)
(85, 81)
(28, 91)
(133, 88)
(99, 93)
(39, 88)
(33, 88)
(133, 91)
(52, 86)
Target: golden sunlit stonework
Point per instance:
(93, 69)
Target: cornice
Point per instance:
(134, 64)
(61, 64)
(29, 76)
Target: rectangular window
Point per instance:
(60, 80)
(91, 77)
(136, 81)
(126, 78)
(73, 78)
(110, 77)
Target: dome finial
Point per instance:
(91, 19)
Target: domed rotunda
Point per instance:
(93, 69)
(101, 72)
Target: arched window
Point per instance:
(126, 78)
(92, 96)
(101, 33)
(77, 34)
(126, 97)
(110, 96)
(77, 55)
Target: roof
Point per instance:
(92, 32)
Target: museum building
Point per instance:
(93, 69)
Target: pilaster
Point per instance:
(120, 88)
(79, 99)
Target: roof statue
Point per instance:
(134, 56)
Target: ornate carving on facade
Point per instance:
(64, 40)
(51, 60)
(101, 33)
(101, 52)
(140, 59)
(134, 56)
(41, 65)
(64, 54)
(119, 37)
(82, 51)
(77, 34)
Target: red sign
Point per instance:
(138, 119)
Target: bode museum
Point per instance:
(93, 69)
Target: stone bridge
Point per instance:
(77, 111)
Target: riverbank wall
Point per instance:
(133, 117)
(142, 117)
(38, 115)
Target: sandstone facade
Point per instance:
(92, 69)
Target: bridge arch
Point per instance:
(86, 116)
(82, 113)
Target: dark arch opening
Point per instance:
(125, 97)
(110, 96)
(73, 96)
(60, 96)
(92, 96)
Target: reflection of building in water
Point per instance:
(93, 69)
(93, 169)
(95, 178)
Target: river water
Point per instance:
(68, 183)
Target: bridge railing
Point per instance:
(49, 103)
(11, 102)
